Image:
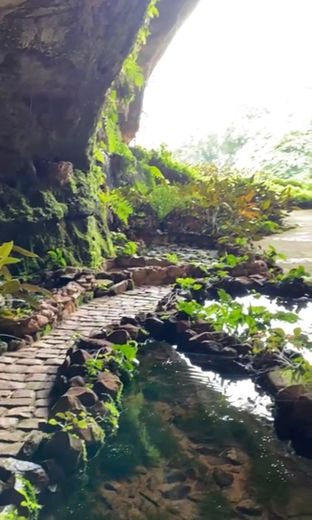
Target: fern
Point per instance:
(117, 203)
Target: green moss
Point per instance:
(58, 209)
(68, 217)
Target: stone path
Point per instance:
(27, 376)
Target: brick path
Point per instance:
(27, 376)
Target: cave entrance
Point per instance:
(234, 67)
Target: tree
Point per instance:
(221, 150)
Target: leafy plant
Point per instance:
(229, 261)
(111, 414)
(129, 249)
(72, 423)
(94, 366)
(15, 295)
(189, 283)
(117, 203)
(172, 258)
(231, 316)
(125, 356)
(30, 501)
(296, 273)
(6, 258)
(56, 258)
(271, 254)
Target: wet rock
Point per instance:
(249, 507)
(76, 370)
(132, 330)
(77, 381)
(178, 492)
(184, 339)
(118, 288)
(95, 344)
(223, 478)
(10, 467)
(31, 444)
(275, 380)
(80, 357)
(201, 326)
(119, 337)
(107, 383)
(54, 470)
(85, 395)
(128, 320)
(203, 343)
(3, 347)
(176, 476)
(182, 325)
(235, 456)
(293, 419)
(67, 402)
(155, 327)
(229, 352)
(243, 348)
(66, 449)
(131, 285)
(12, 496)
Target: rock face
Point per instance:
(57, 61)
(172, 14)
(67, 217)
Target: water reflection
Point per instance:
(303, 309)
(192, 446)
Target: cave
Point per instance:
(57, 65)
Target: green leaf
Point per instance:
(289, 317)
(24, 252)
(36, 289)
(5, 249)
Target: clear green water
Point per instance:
(190, 446)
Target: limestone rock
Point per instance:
(58, 61)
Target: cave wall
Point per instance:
(57, 60)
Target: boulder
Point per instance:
(155, 327)
(9, 467)
(80, 357)
(67, 402)
(66, 449)
(77, 381)
(118, 288)
(107, 383)
(85, 395)
(119, 337)
(129, 320)
(95, 344)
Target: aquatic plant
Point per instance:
(226, 314)
(189, 283)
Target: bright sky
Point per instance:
(231, 55)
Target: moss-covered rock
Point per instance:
(68, 217)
